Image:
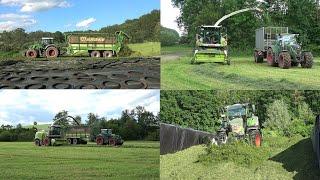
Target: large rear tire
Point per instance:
(95, 54)
(31, 53)
(107, 54)
(307, 61)
(271, 59)
(52, 52)
(99, 140)
(284, 60)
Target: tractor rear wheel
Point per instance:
(37, 142)
(258, 57)
(99, 140)
(307, 60)
(107, 54)
(284, 60)
(271, 59)
(52, 52)
(95, 54)
(31, 53)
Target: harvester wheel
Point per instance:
(31, 53)
(270, 58)
(46, 141)
(52, 52)
(37, 142)
(112, 142)
(307, 60)
(107, 54)
(95, 54)
(284, 60)
(99, 140)
(75, 141)
(222, 138)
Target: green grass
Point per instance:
(146, 49)
(178, 74)
(175, 49)
(278, 158)
(134, 160)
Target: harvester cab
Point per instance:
(55, 131)
(240, 122)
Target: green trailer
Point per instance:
(80, 44)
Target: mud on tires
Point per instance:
(52, 52)
(271, 59)
(307, 60)
(31, 53)
(284, 60)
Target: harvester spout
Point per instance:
(217, 24)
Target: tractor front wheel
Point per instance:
(284, 60)
(95, 54)
(31, 53)
(112, 142)
(52, 52)
(270, 58)
(307, 61)
(255, 138)
(99, 140)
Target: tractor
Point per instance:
(46, 48)
(239, 122)
(212, 42)
(107, 138)
(280, 48)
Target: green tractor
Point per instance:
(46, 48)
(106, 137)
(239, 122)
(280, 48)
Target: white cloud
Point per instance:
(169, 15)
(36, 5)
(78, 102)
(12, 21)
(85, 23)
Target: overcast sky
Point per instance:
(27, 106)
(68, 15)
(169, 15)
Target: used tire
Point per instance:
(52, 52)
(307, 61)
(284, 60)
(107, 54)
(95, 54)
(99, 140)
(31, 53)
(271, 59)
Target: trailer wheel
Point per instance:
(52, 52)
(307, 60)
(69, 141)
(75, 141)
(31, 53)
(284, 60)
(95, 54)
(99, 140)
(107, 54)
(37, 142)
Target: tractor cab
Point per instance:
(106, 132)
(55, 131)
(47, 41)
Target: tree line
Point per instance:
(302, 17)
(137, 124)
(201, 109)
(145, 28)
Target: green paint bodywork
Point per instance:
(287, 42)
(40, 135)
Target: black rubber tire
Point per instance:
(222, 138)
(69, 141)
(272, 62)
(260, 59)
(52, 52)
(255, 56)
(284, 60)
(112, 142)
(37, 142)
(253, 138)
(307, 61)
(95, 54)
(107, 54)
(75, 141)
(31, 53)
(99, 140)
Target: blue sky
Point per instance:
(64, 15)
(25, 107)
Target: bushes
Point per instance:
(169, 37)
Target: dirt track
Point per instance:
(137, 73)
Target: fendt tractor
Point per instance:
(57, 135)
(80, 44)
(280, 48)
(315, 137)
(212, 41)
(107, 138)
(239, 122)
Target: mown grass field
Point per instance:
(279, 158)
(134, 160)
(177, 73)
(146, 49)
